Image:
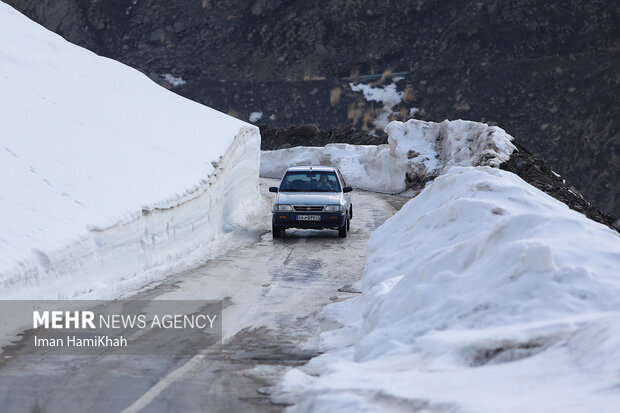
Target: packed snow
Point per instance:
(108, 180)
(482, 294)
(416, 152)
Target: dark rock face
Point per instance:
(273, 137)
(547, 72)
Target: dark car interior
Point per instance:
(310, 182)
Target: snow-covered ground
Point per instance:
(108, 180)
(417, 151)
(482, 294)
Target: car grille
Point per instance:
(308, 208)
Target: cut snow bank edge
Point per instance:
(416, 152)
(108, 180)
(106, 263)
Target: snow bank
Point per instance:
(417, 152)
(483, 294)
(366, 167)
(107, 179)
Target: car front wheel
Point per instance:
(276, 232)
(342, 231)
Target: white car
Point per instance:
(312, 197)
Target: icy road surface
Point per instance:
(272, 291)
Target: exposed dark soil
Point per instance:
(548, 72)
(273, 137)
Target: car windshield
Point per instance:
(310, 181)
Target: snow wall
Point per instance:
(107, 180)
(416, 152)
(482, 294)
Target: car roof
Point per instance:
(313, 168)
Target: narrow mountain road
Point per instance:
(272, 292)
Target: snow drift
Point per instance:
(416, 152)
(107, 178)
(482, 294)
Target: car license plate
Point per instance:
(308, 217)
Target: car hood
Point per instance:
(308, 198)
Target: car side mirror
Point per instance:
(347, 189)
(273, 189)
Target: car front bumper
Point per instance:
(327, 220)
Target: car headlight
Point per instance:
(282, 207)
(334, 208)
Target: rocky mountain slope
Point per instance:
(547, 72)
